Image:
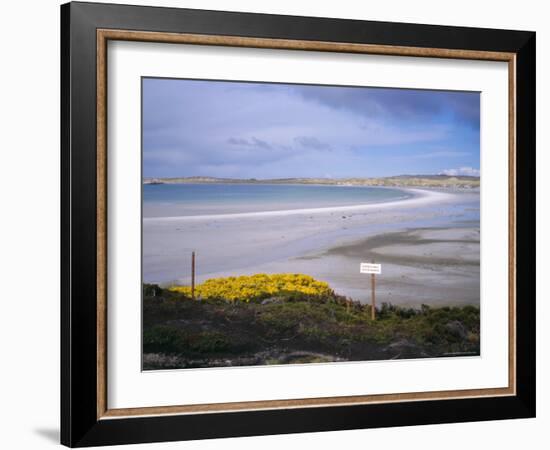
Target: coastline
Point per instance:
(314, 241)
(434, 181)
(417, 197)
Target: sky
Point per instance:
(267, 130)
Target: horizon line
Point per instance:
(313, 178)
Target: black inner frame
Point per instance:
(79, 423)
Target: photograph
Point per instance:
(300, 223)
(280, 223)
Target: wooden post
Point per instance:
(373, 269)
(193, 275)
(372, 296)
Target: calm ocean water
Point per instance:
(170, 200)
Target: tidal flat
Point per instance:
(428, 245)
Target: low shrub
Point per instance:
(173, 340)
(257, 287)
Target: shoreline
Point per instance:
(419, 197)
(421, 237)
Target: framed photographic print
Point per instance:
(276, 224)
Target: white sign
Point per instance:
(370, 268)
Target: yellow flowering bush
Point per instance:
(253, 287)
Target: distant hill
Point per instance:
(398, 180)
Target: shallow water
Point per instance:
(173, 200)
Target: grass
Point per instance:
(295, 327)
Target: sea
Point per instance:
(176, 200)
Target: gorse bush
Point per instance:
(256, 287)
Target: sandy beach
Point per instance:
(428, 246)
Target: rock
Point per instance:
(302, 357)
(401, 345)
(403, 349)
(152, 290)
(456, 329)
(272, 300)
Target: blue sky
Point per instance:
(261, 130)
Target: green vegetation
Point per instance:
(295, 327)
(257, 287)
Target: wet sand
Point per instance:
(428, 247)
(435, 266)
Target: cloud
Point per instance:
(238, 141)
(312, 142)
(403, 104)
(259, 130)
(461, 171)
(254, 142)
